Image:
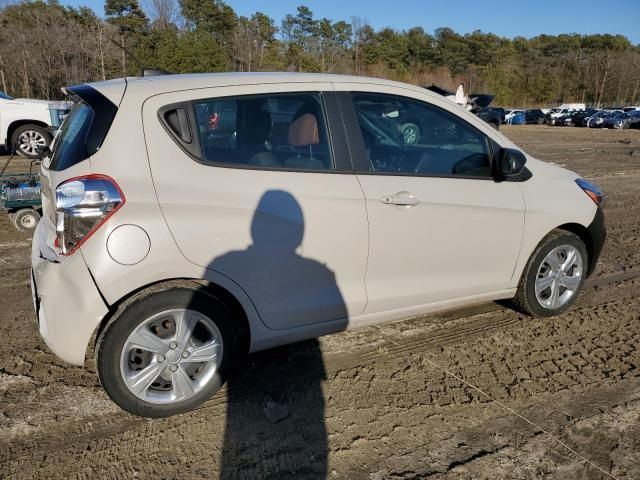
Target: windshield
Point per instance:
(70, 145)
(4, 96)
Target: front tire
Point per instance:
(553, 276)
(166, 351)
(27, 138)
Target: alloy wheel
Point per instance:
(171, 356)
(410, 134)
(559, 277)
(29, 141)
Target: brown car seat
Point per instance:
(303, 134)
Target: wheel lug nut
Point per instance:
(161, 358)
(173, 345)
(185, 354)
(173, 368)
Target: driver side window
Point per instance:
(402, 135)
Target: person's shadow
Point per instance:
(275, 411)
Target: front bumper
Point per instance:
(67, 302)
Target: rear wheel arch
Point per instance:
(218, 292)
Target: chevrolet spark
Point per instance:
(192, 219)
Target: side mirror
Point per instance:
(510, 163)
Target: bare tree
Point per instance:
(163, 13)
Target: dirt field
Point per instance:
(483, 393)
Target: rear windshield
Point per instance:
(70, 146)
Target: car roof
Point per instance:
(153, 85)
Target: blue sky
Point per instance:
(503, 17)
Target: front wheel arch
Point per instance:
(585, 236)
(526, 298)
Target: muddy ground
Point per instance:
(482, 393)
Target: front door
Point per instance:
(440, 227)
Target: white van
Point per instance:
(576, 107)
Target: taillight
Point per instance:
(82, 205)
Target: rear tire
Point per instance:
(176, 382)
(550, 272)
(26, 220)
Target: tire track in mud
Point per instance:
(81, 433)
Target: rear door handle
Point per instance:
(403, 199)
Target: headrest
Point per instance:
(303, 131)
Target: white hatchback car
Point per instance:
(190, 219)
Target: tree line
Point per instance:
(45, 46)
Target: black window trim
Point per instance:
(358, 150)
(336, 136)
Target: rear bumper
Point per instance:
(598, 234)
(67, 302)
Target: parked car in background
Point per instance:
(181, 254)
(619, 120)
(477, 103)
(557, 112)
(634, 118)
(597, 120)
(480, 107)
(535, 116)
(562, 120)
(28, 124)
(560, 117)
(631, 108)
(515, 117)
(577, 119)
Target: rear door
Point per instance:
(441, 229)
(265, 196)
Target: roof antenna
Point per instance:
(144, 72)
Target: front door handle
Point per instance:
(403, 199)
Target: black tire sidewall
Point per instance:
(25, 128)
(115, 334)
(532, 271)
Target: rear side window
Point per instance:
(70, 146)
(285, 131)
